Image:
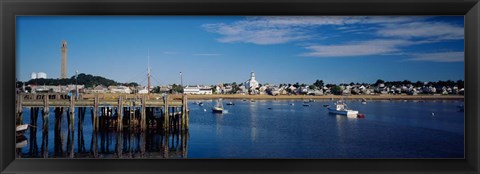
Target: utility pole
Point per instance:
(181, 81)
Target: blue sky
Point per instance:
(217, 49)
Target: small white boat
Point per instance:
(21, 128)
(21, 144)
(218, 108)
(364, 101)
(342, 109)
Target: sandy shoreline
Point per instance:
(289, 97)
(328, 97)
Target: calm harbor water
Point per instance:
(272, 129)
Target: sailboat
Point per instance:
(218, 108)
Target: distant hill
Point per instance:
(83, 79)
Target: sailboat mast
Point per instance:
(148, 75)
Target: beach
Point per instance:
(328, 97)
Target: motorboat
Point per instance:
(230, 103)
(341, 108)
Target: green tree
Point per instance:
(176, 89)
(318, 83)
(379, 81)
(337, 90)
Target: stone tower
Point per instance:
(63, 73)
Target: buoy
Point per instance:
(433, 114)
(360, 115)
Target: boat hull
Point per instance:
(342, 112)
(217, 110)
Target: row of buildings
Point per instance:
(253, 87)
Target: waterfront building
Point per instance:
(142, 90)
(197, 90)
(120, 89)
(100, 89)
(165, 89)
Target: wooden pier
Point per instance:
(109, 111)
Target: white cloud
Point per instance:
(434, 30)
(439, 57)
(385, 35)
(363, 48)
(283, 29)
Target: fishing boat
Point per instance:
(218, 108)
(342, 109)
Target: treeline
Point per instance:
(83, 79)
(320, 83)
(440, 83)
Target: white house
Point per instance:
(197, 90)
(120, 89)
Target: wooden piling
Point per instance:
(143, 117)
(132, 116)
(19, 109)
(46, 112)
(166, 114)
(95, 114)
(72, 114)
(185, 105)
(120, 115)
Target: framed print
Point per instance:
(250, 86)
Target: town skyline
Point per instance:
(215, 50)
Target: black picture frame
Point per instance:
(11, 8)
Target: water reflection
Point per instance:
(110, 144)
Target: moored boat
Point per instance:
(342, 109)
(218, 108)
(20, 129)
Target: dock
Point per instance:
(118, 111)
